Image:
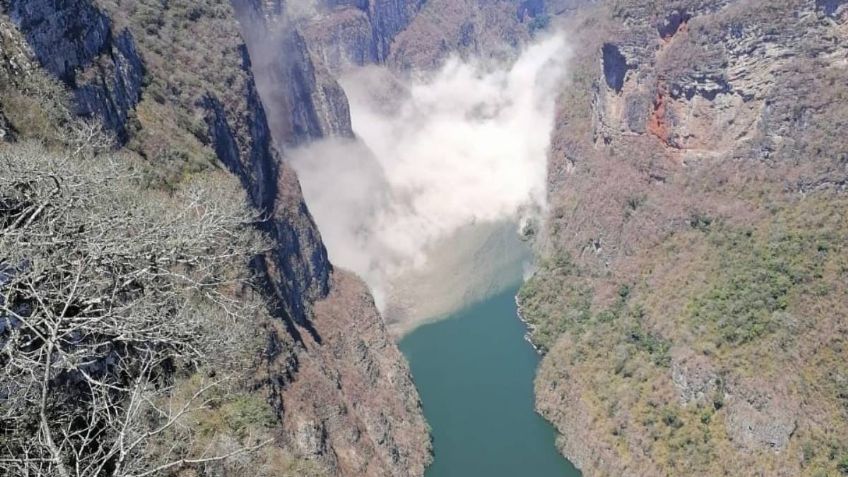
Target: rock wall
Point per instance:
(6, 131)
(198, 99)
(693, 143)
(305, 49)
(74, 41)
(296, 270)
(353, 403)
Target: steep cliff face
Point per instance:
(357, 32)
(75, 41)
(305, 46)
(308, 45)
(216, 108)
(313, 105)
(691, 303)
(302, 49)
(177, 87)
(297, 270)
(471, 28)
(353, 403)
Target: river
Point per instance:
(475, 371)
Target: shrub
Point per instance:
(671, 419)
(107, 291)
(754, 280)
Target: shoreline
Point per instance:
(529, 326)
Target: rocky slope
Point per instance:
(175, 85)
(691, 303)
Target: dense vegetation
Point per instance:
(753, 300)
(168, 127)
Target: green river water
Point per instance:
(475, 373)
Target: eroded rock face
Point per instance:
(297, 52)
(346, 38)
(761, 418)
(304, 101)
(696, 380)
(74, 41)
(490, 29)
(340, 387)
(115, 87)
(388, 18)
(354, 401)
(65, 36)
(297, 269)
(667, 185)
(363, 30)
(694, 108)
(6, 132)
(316, 104)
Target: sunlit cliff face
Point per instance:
(436, 156)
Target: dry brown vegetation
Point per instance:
(692, 299)
(155, 347)
(110, 295)
(191, 50)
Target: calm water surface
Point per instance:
(475, 373)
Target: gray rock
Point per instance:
(764, 425)
(388, 18)
(116, 88)
(7, 134)
(343, 38)
(296, 271)
(637, 107)
(303, 101)
(695, 379)
(310, 439)
(830, 7)
(615, 66)
(74, 41)
(65, 36)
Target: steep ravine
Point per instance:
(309, 52)
(475, 371)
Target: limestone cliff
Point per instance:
(313, 104)
(176, 86)
(312, 43)
(102, 67)
(691, 302)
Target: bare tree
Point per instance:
(105, 291)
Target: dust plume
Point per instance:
(438, 158)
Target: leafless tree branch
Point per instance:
(104, 289)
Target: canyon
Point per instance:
(688, 224)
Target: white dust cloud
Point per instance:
(436, 154)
